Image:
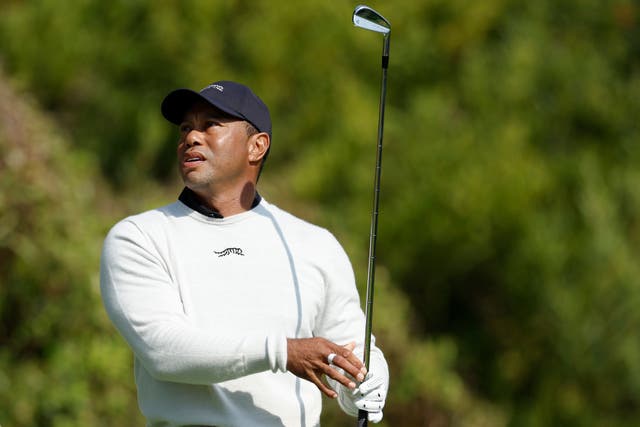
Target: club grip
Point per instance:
(363, 418)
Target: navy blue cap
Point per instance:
(233, 98)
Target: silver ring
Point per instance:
(330, 358)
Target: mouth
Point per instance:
(193, 158)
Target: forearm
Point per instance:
(179, 353)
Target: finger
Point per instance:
(350, 346)
(347, 353)
(369, 406)
(371, 382)
(330, 358)
(326, 390)
(348, 367)
(374, 396)
(375, 417)
(322, 386)
(350, 364)
(337, 375)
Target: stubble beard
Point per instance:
(196, 180)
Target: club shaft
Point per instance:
(374, 222)
(373, 234)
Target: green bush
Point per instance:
(507, 281)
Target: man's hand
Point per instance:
(307, 358)
(370, 396)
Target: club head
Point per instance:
(369, 19)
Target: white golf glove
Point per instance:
(370, 395)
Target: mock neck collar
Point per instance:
(189, 198)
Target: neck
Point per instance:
(228, 203)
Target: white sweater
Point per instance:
(206, 305)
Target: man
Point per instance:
(228, 302)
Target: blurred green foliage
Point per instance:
(508, 284)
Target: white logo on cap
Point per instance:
(217, 87)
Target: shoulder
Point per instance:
(294, 223)
(148, 222)
(296, 229)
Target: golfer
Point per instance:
(237, 312)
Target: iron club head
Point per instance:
(367, 18)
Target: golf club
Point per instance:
(367, 18)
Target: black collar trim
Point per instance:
(189, 198)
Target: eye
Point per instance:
(185, 128)
(210, 122)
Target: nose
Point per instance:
(193, 138)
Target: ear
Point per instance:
(258, 146)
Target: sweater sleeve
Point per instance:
(145, 306)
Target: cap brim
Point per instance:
(178, 102)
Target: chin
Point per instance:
(194, 179)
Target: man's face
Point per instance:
(213, 149)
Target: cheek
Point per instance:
(241, 154)
(230, 148)
(180, 146)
